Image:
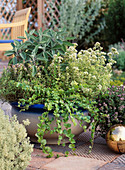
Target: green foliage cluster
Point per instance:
(112, 105)
(118, 80)
(86, 70)
(39, 47)
(66, 83)
(81, 18)
(120, 59)
(15, 147)
(115, 21)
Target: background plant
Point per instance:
(120, 59)
(81, 18)
(118, 77)
(115, 21)
(112, 105)
(18, 155)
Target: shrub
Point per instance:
(15, 148)
(112, 105)
(115, 21)
(120, 59)
(81, 18)
(118, 78)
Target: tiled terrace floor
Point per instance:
(101, 157)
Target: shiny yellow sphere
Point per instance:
(115, 138)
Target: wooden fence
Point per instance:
(40, 13)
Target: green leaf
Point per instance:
(49, 54)
(13, 45)
(40, 30)
(14, 60)
(64, 48)
(42, 58)
(60, 137)
(70, 146)
(33, 38)
(50, 106)
(34, 71)
(17, 43)
(45, 55)
(59, 41)
(9, 53)
(43, 42)
(56, 47)
(43, 142)
(67, 125)
(48, 149)
(70, 38)
(27, 34)
(66, 153)
(28, 43)
(23, 46)
(69, 131)
(10, 61)
(64, 131)
(73, 120)
(61, 52)
(23, 55)
(32, 32)
(21, 37)
(34, 52)
(46, 35)
(67, 43)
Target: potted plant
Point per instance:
(48, 70)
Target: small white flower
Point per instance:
(26, 122)
(94, 77)
(97, 45)
(99, 86)
(74, 83)
(76, 68)
(109, 54)
(86, 73)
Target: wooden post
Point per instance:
(19, 4)
(40, 13)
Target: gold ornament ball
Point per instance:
(115, 138)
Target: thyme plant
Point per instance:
(15, 147)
